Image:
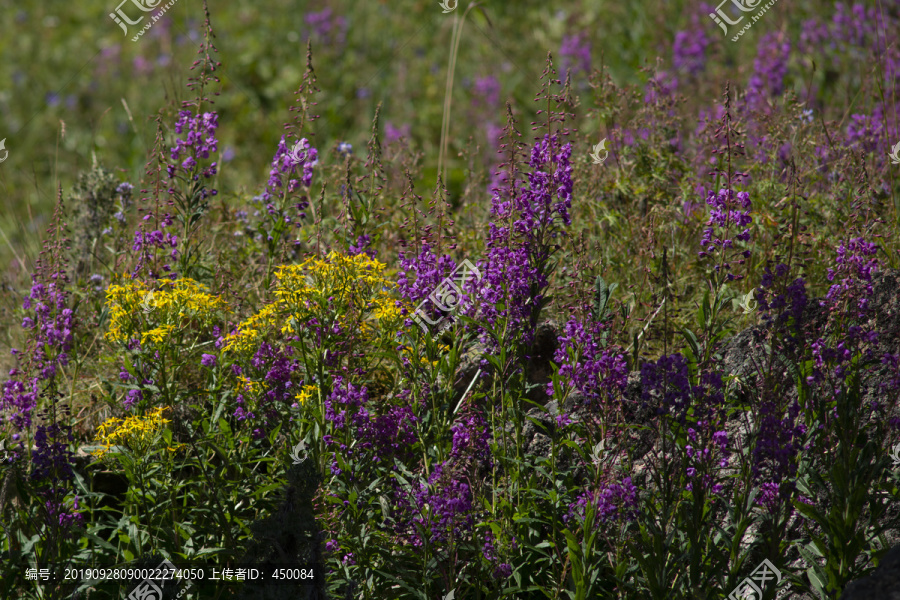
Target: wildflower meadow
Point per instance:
(425, 300)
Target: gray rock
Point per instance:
(882, 584)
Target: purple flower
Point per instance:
(613, 502)
(429, 271)
(146, 245)
(132, 398)
(51, 460)
(855, 27)
(208, 360)
(661, 86)
(287, 166)
(332, 31)
(780, 309)
(503, 571)
(274, 369)
(50, 326)
(346, 397)
(864, 132)
(769, 69)
(450, 502)
(362, 246)
(57, 514)
(487, 91)
(697, 412)
(489, 551)
(856, 262)
(575, 51)
(393, 134)
(769, 496)
(514, 270)
(728, 212)
(384, 437)
(471, 440)
(689, 48)
(599, 373)
(199, 141)
(776, 451)
(379, 438)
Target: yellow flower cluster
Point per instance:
(157, 335)
(134, 433)
(249, 332)
(339, 287)
(172, 303)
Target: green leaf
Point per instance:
(206, 551)
(691, 340)
(704, 312)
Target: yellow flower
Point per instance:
(349, 291)
(157, 335)
(133, 433)
(132, 304)
(306, 393)
(245, 385)
(248, 331)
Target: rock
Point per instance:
(883, 583)
(538, 369)
(745, 350)
(467, 370)
(291, 538)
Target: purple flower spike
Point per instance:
(198, 143)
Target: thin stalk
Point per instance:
(445, 124)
